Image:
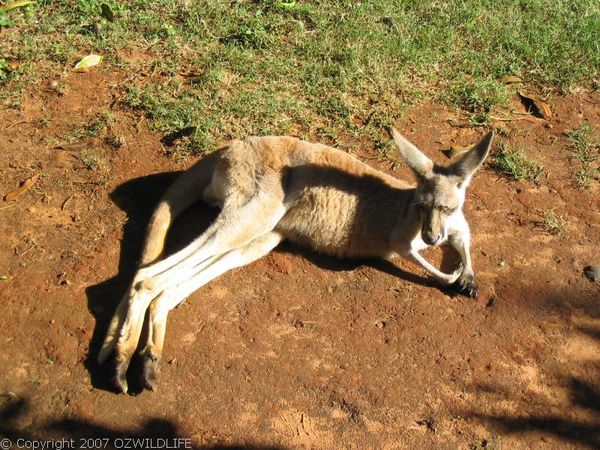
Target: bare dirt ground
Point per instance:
(296, 350)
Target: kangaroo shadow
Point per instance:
(138, 198)
(448, 263)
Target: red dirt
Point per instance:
(297, 350)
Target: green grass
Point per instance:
(267, 66)
(97, 126)
(90, 159)
(586, 151)
(553, 223)
(513, 163)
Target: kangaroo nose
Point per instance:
(431, 239)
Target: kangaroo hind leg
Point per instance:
(170, 298)
(186, 191)
(235, 227)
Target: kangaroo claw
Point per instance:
(466, 285)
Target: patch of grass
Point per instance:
(98, 124)
(514, 164)
(269, 66)
(90, 159)
(255, 33)
(5, 69)
(586, 149)
(115, 141)
(478, 97)
(553, 223)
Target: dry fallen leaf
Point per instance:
(86, 62)
(512, 79)
(77, 147)
(14, 5)
(62, 158)
(14, 64)
(24, 186)
(536, 105)
(286, 4)
(456, 150)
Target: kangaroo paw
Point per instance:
(120, 376)
(149, 370)
(466, 285)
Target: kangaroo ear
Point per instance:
(470, 161)
(411, 155)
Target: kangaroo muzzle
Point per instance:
(432, 231)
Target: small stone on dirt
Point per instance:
(592, 273)
(62, 159)
(428, 423)
(380, 324)
(282, 264)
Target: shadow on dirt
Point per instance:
(584, 433)
(449, 261)
(138, 199)
(76, 433)
(583, 395)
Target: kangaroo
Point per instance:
(274, 188)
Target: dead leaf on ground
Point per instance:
(535, 105)
(456, 150)
(14, 5)
(24, 186)
(512, 79)
(86, 62)
(77, 147)
(13, 63)
(62, 159)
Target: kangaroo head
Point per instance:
(440, 191)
